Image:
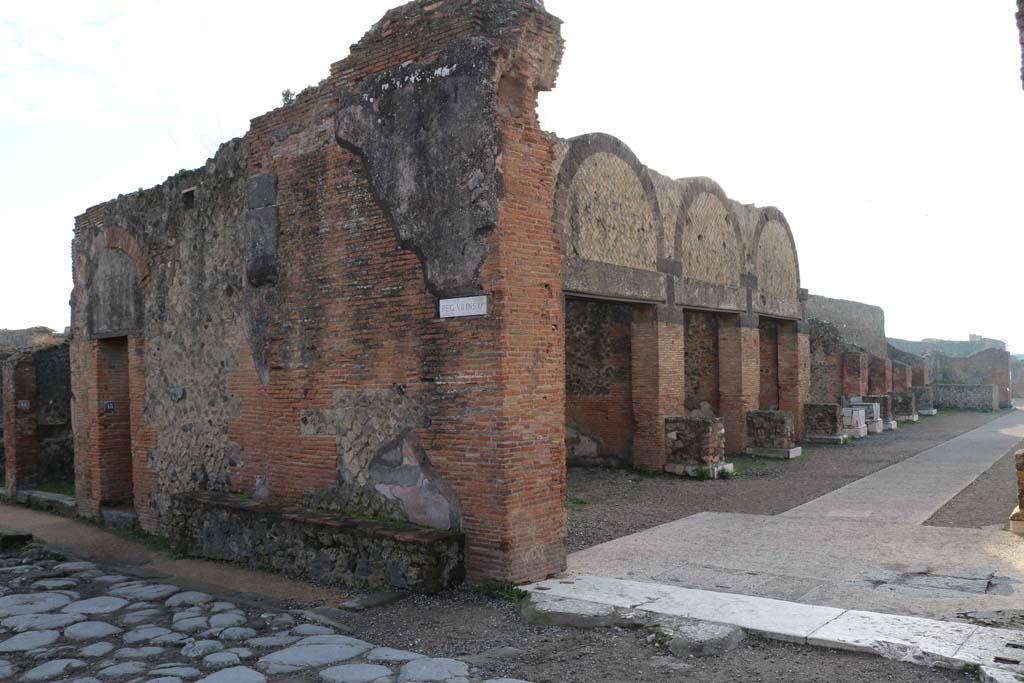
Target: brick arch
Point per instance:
(696, 188)
(769, 215)
(121, 240)
(583, 147)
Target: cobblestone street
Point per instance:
(63, 620)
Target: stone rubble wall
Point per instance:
(991, 366)
(322, 548)
(904, 404)
(823, 419)
(984, 397)
(695, 440)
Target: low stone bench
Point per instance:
(322, 547)
(770, 434)
(924, 398)
(904, 407)
(823, 423)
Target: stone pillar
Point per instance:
(739, 353)
(902, 378)
(659, 381)
(794, 371)
(20, 422)
(855, 374)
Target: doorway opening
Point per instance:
(115, 423)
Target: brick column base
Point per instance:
(20, 423)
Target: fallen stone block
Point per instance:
(696, 638)
(555, 611)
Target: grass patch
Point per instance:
(64, 488)
(578, 502)
(751, 463)
(500, 590)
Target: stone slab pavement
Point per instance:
(80, 622)
(914, 570)
(911, 491)
(862, 546)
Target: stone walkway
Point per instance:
(77, 622)
(910, 492)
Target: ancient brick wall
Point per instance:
(991, 366)
(902, 377)
(598, 380)
(918, 365)
(768, 398)
(325, 375)
(702, 391)
(860, 324)
(884, 402)
(838, 368)
(36, 417)
(739, 376)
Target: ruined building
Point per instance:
(36, 444)
(393, 294)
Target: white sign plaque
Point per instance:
(461, 307)
(24, 405)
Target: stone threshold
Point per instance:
(925, 642)
(66, 506)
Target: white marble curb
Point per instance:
(926, 642)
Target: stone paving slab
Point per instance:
(915, 640)
(841, 563)
(911, 491)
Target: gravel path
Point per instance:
(607, 504)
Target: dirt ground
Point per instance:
(607, 504)
(986, 502)
(603, 505)
(463, 624)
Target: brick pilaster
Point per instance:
(794, 372)
(855, 374)
(739, 353)
(20, 423)
(659, 380)
(880, 376)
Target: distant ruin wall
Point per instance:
(986, 367)
(861, 324)
(949, 347)
(1017, 379)
(828, 360)
(984, 397)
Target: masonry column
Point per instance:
(659, 381)
(20, 422)
(794, 371)
(855, 374)
(880, 376)
(739, 362)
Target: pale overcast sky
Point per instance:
(890, 132)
